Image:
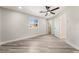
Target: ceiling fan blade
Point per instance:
(52, 12)
(55, 8)
(42, 11)
(46, 14)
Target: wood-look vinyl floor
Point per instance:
(41, 44)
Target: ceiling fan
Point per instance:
(48, 10)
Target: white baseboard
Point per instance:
(21, 38)
(76, 47)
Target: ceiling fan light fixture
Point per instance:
(19, 7)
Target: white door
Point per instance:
(60, 26)
(56, 27)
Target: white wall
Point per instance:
(73, 26)
(15, 25)
(0, 24)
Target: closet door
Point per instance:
(57, 27)
(60, 27)
(63, 24)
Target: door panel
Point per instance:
(56, 27)
(60, 26)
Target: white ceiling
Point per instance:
(35, 10)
